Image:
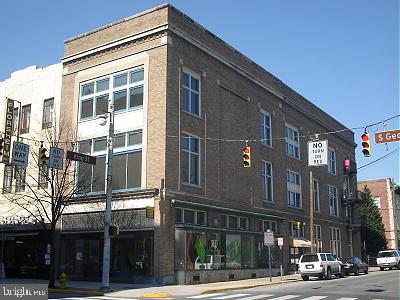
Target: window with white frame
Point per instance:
(47, 120)
(316, 195)
(190, 216)
(191, 93)
(190, 160)
(234, 222)
(292, 142)
(127, 159)
(296, 229)
(293, 189)
(25, 118)
(124, 88)
(318, 237)
(335, 241)
(264, 225)
(266, 176)
(331, 161)
(333, 201)
(265, 125)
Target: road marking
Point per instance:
(345, 298)
(285, 297)
(230, 296)
(205, 296)
(256, 297)
(315, 298)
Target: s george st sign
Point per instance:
(387, 136)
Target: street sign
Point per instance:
(387, 136)
(280, 241)
(81, 157)
(318, 153)
(56, 158)
(269, 238)
(20, 154)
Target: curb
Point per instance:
(247, 286)
(76, 291)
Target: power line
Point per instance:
(378, 159)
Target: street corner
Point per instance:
(72, 291)
(156, 295)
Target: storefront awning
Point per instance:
(300, 242)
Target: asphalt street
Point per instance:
(375, 285)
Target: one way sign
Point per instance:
(20, 154)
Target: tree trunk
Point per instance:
(52, 273)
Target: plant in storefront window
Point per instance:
(233, 250)
(200, 249)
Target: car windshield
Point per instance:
(350, 259)
(310, 258)
(385, 254)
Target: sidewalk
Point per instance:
(153, 291)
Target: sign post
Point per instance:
(56, 158)
(269, 241)
(280, 244)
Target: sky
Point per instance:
(341, 55)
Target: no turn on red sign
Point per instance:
(318, 153)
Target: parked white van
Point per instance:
(388, 259)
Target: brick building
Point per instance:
(186, 104)
(388, 201)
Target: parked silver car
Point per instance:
(321, 265)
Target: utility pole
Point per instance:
(311, 212)
(105, 283)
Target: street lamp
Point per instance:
(105, 282)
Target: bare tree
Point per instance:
(48, 191)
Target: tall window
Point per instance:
(333, 201)
(293, 189)
(318, 237)
(292, 142)
(25, 118)
(297, 229)
(331, 161)
(125, 89)
(47, 113)
(266, 176)
(265, 125)
(335, 241)
(316, 195)
(7, 179)
(43, 180)
(191, 93)
(127, 160)
(20, 179)
(190, 160)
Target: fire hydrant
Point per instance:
(63, 280)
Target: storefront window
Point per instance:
(248, 251)
(195, 250)
(180, 249)
(233, 251)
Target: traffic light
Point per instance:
(42, 154)
(246, 157)
(1, 146)
(366, 145)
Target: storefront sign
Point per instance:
(18, 220)
(150, 212)
(9, 117)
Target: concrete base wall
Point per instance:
(206, 276)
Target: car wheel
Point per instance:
(305, 277)
(320, 277)
(390, 268)
(366, 271)
(357, 272)
(328, 275)
(341, 274)
(398, 266)
(382, 269)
